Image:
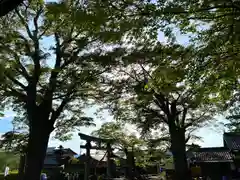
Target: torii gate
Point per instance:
(99, 146)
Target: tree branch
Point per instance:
(162, 102)
(22, 70)
(6, 6)
(24, 23)
(184, 116)
(155, 113)
(56, 114)
(35, 22)
(32, 84)
(15, 81)
(55, 71)
(74, 55)
(188, 138)
(194, 121)
(16, 94)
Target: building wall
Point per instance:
(216, 169)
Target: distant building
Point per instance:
(218, 161)
(52, 160)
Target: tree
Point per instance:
(214, 26)
(10, 159)
(52, 85)
(7, 6)
(16, 143)
(157, 89)
(233, 124)
(125, 140)
(218, 49)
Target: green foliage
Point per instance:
(10, 159)
(14, 142)
(216, 39)
(73, 161)
(193, 147)
(214, 26)
(8, 6)
(122, 138)
(175, 102)
(233, 116)
(174, 94)
(57, 53)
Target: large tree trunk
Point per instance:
(179, 154)
(36, 151)
(130, 164)
(21, 166)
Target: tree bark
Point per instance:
(179, 154)
(21, 167)
(36, 151)
(130, 164)
(6, 6)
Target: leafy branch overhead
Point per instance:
(54, 59)
(159, 87)
(122, 139)
(7, 6)
(14, 142)
(65, 75)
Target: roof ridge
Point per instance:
(208, 156)
(232, 140)
(220, 147)
(213, 148)
(232, 133)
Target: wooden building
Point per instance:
(216, 162)
(51, 160)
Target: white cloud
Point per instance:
(8, 114)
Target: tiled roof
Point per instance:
(232, 140)
(67, 151)
(49, 160)
(50, 150)
(220, 154)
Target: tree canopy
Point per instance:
(216, 40)
(157, 88)
(6, 6)
(124, 139)
(21, 41)
(58, 58)
(14, 142)
(54, 57)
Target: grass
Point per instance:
(12, 176)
